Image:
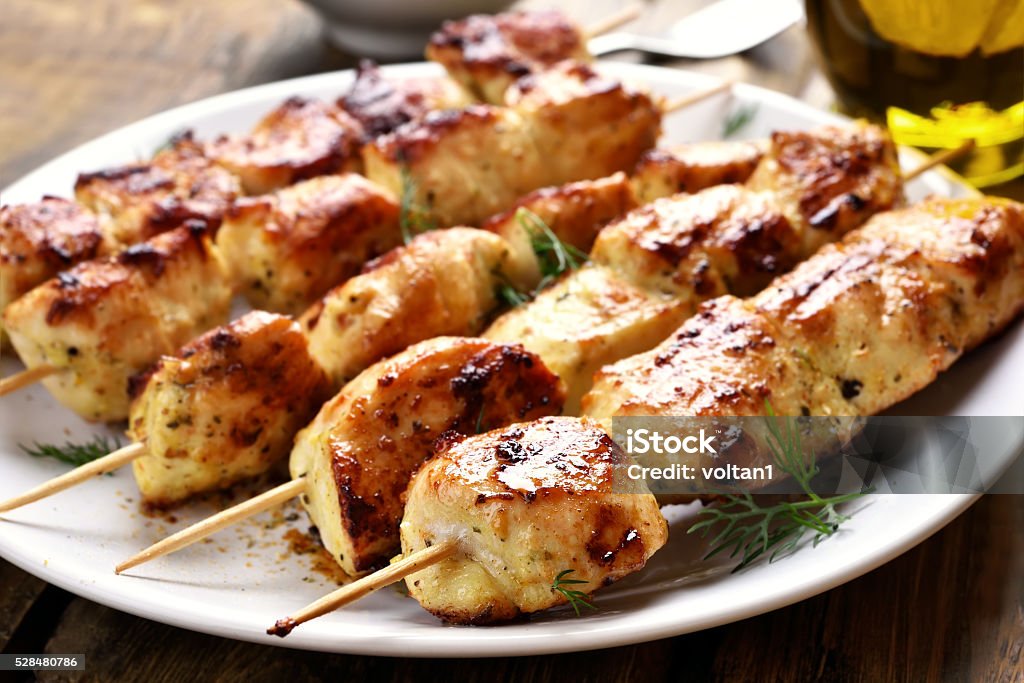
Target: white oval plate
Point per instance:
(244, 579)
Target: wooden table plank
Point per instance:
(18, 591)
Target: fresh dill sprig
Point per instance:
(750, 529)
(738, 120)
(512, 296)
(413, 219)
(573, 597)
(76, 454)
(554, 257)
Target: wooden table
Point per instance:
(952, 608)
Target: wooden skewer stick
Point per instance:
(939, 158)
(108, 463)
(613, 20)
(22, 379)
(420, 559)
(697, 96)
(211, 525)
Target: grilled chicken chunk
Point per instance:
(880, 314)
(581, 320)
(300, 139)
(105, 320)
(692, 167)
(141, 200)
(462, 167)
(382, 104)
(487, 53)
(41, 239)
(441, 283)
(287, 249)
(830, 180)
(526, 503)
(574, 213)
(665, 258)
(858, 327)
(225, 407)
(362, 448)
(584, 124)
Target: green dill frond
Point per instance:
(554, 258)
(738, 120)
(72, 453)
(746, 529)
(413, 219)
(573, 597)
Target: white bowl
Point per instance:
(393, 29)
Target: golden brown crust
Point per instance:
(519, 461)
(40, 239)
(225, 407)
(442, 283)
(898, 301)
(585, 124)
(287, 249)
(76, 293)
(564, 125)
(300, 139)
(831, 179)
(525, 504)
(487, 53)
(575, 213)
(383, 104)
(138, 201)
(688, 245)
(360, 451)
(105, 320)
(692, 167)
(726, 360)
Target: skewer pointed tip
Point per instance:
(345, 595)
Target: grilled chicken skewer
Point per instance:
(924, 273)
(491, 520)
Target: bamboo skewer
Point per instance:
(940, 158)
(421, 559)
(107, 463)
(24, 378)
(692, 98)
(613, 20)
(211, 525)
